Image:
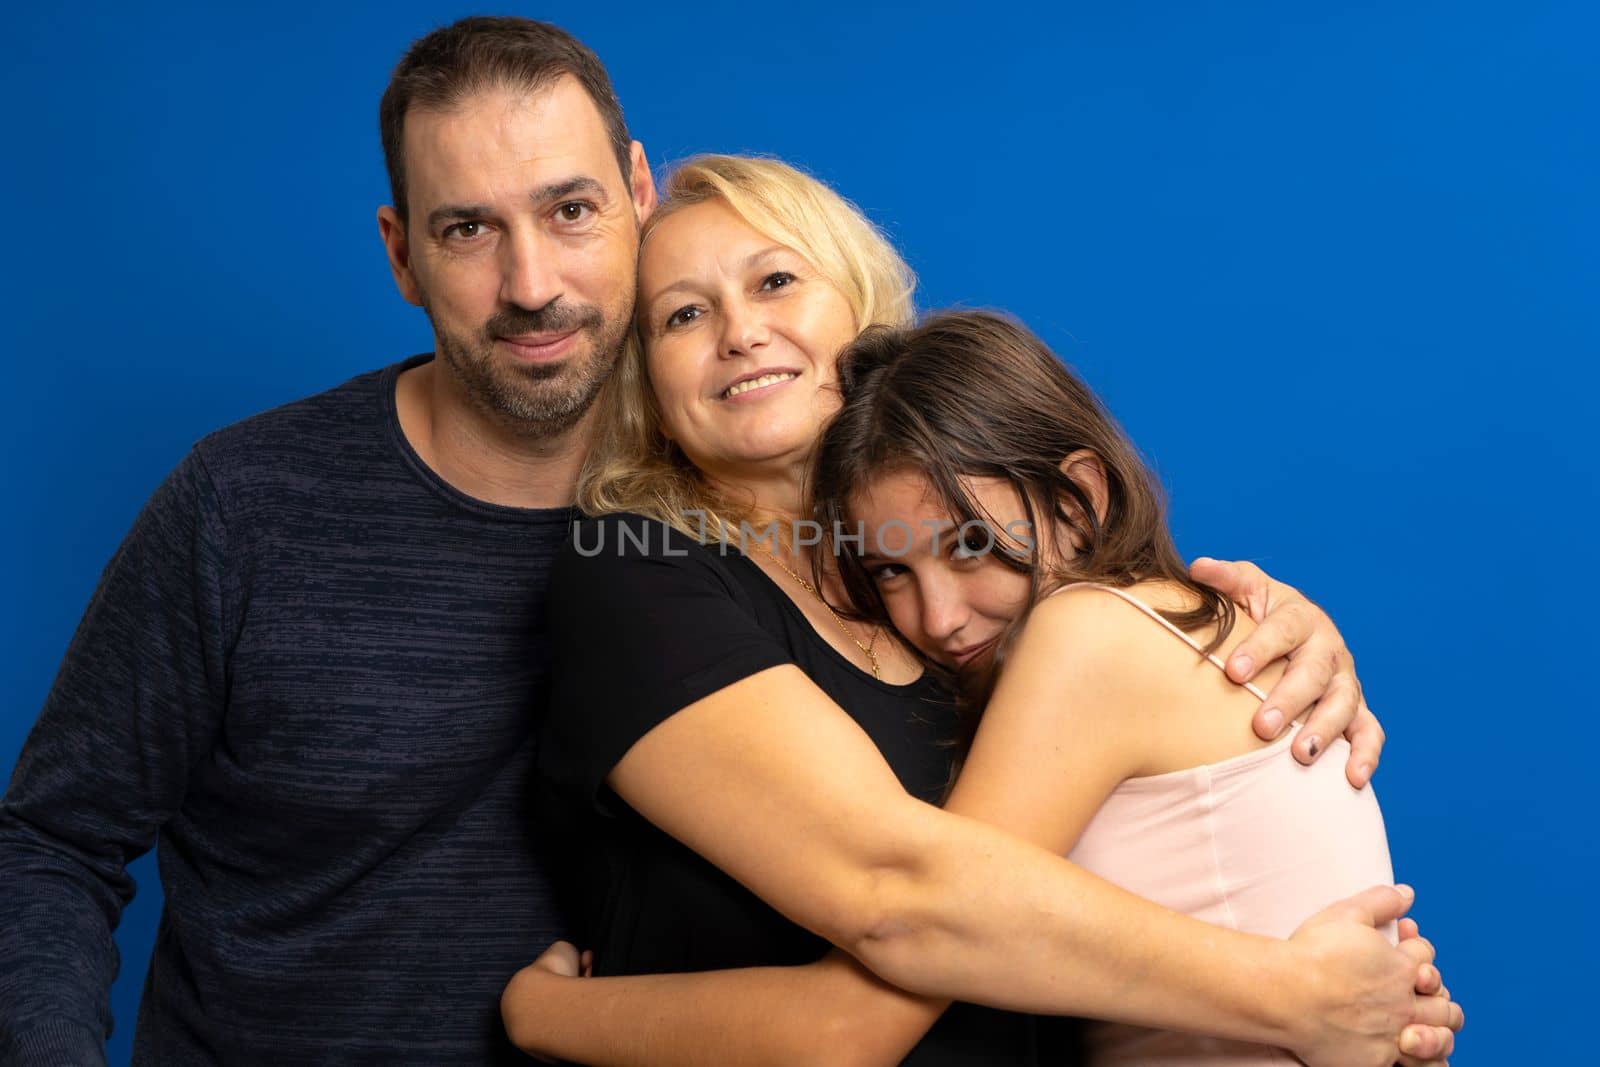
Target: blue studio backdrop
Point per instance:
(1333, 265)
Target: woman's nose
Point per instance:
(744, 329)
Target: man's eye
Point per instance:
(683, 316)
(777, 280)
(574, 211)
(464, 230)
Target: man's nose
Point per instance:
(530, 275)
(744, 329)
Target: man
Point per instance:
(311, 672)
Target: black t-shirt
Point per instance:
(645, 621)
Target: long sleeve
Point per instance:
(136, 704)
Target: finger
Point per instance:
(586, 963)
(1306, 681)
(1429, 981)
(1412, 1061)
(1291, 625)
(1427, 1042)
(1366, 739)
(1439, 1010)
(1408, 929)
(1334, 712)
(1243, 583)
(1376, 906)
(1419, 948)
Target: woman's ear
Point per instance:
(1089, 474)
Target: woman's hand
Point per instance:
(561, 959)
(1321, 672)
(1429, 1048)
(1373, 1004)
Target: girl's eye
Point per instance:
(777, 280)
(884, 572)
(972, 544)
(683, 316)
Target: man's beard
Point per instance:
(539, 400)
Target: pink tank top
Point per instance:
(1256, 843)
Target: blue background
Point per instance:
(1327, 262)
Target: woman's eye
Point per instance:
(884, 572)
(683, 316)
(777, 280)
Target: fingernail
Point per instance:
(1313, 746)
(1243, 665)
(1406, 891)
(1410, 1042)
(1364, 771)
(1274, 721)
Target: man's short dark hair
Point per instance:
(480, 53)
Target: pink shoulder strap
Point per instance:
(1154, 614)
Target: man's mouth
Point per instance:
(541, 347)
(764, 380)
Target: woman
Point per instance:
(708, 701)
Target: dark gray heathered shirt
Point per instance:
(311, 676)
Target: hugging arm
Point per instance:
(789, 796)
(793, 800)
(1321, 675)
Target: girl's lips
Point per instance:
(545, 348)
(962, 657)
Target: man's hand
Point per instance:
(1321, 673)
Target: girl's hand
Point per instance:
(1365, 1008)
(1321, 672)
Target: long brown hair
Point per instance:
(976, 395)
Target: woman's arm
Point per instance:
(1056, 739)
(769, 780)
(833, 1013)
(1321, 673)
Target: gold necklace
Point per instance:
(868, 649)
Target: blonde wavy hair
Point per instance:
(631, 464)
